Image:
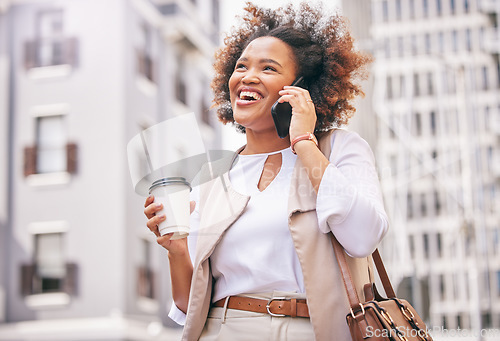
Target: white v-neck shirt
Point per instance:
(256, 253)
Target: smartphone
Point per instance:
(282, 113)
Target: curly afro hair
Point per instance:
(323, 48)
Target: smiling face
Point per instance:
(266, 65)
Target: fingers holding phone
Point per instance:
(294, 112)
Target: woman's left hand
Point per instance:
(303, 111)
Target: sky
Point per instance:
(229, 10)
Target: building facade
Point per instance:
(436, 100)
(79, 79)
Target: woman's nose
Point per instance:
(250, 78)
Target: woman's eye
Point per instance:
(239, 66)
(269, 68)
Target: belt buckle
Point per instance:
(268, 306)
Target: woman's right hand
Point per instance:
(174, 247)
(181, 267)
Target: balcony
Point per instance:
(183, 25)
(32, 162)
(50, 57)
(489, 6)
(492, 40)
(40, 291)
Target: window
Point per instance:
(455, 285)
(216, 13)
(409, 206)
(144, 54)
(442, 287)
(439, 242)
(50, 142)
(433, 123)
(441, 42)
(416, 87)
(453, 7)
(481, 37)
(498, 72)
(486, 320)
(484, 74)
(439, 7)
(425, 238)
(385, 11)
(49, 272)
(495, 233)
(414, 47)
(49, 261)
(398, 10)
(180, 85)
(466, 6)
(498, 283)
(487, 119)
(468, 40)
(437, 203)
(51, 153)
(417, 130)
(430, 84)
(454, 40)
(423, 205)
(411, 242)
(401, 85)
(412, 9)
(428, 43)
(489, 158)
(425, 5)
(444, 320)
(50, 46)
(145, 274)
(389, 87)
(387, 48)
(401, 47)
(49, 39)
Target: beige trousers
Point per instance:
(237, 325)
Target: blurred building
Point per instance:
(78, 79)
(436, 100)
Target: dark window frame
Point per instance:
(32, 283)
(31, 155)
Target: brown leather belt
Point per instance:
(274, 307)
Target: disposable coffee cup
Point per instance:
(173, 193)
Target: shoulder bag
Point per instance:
(379, 318)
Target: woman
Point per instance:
(260, 264)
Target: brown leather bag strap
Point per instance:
(352, 294)
(384, 278)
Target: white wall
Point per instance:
(4, 79)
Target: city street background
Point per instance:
(80, 78)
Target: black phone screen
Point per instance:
(282, 113)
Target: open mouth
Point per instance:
(250, 96)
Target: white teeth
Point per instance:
(250, 94)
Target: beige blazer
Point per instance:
(221, 205)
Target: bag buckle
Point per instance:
(362, 311)
(268, 306)
(407, 313)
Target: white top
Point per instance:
(256, 254)
(349, 204)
